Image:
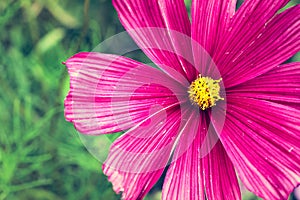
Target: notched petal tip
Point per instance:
(114, 177)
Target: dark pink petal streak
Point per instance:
(247, 23)
(210, 19)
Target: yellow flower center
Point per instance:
(204, 91)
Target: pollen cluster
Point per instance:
(204, 92)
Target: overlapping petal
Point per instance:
(220, 177)
(274, 43)
(163, 47)
(111, 93)
(196, 175)
(262, 140)
(247, 23)
(184, 177)
(210, 19)
(138, 158)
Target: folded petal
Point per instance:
(262, 140)
(195, 174)
(274, 43)
(138, 158)
(111, 93)
(161, 28)
(281, 84)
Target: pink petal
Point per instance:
(262, 140)
(220, 177)
(184, 179)
(149, 24)
(246, 25)
(274, 43)
(111, 93)
(281, 84)
(210, 18)
(137, 159)
(193, 175)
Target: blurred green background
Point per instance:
(41, 155)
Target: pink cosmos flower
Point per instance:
(221, 106)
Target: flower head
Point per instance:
(221, 105)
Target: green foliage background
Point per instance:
(41, 155)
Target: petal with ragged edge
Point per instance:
(110, 93)
(139, 19)
(262, 140)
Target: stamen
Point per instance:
(204, 92)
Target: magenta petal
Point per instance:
(210, 18)
(193, 175)
(246, 25)
(275, 43)
(262, 140)
(111, 93)
(184, 179)
(137, 159)
(257, 11)
(140, 17)
(220, 177)
(281, 84)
